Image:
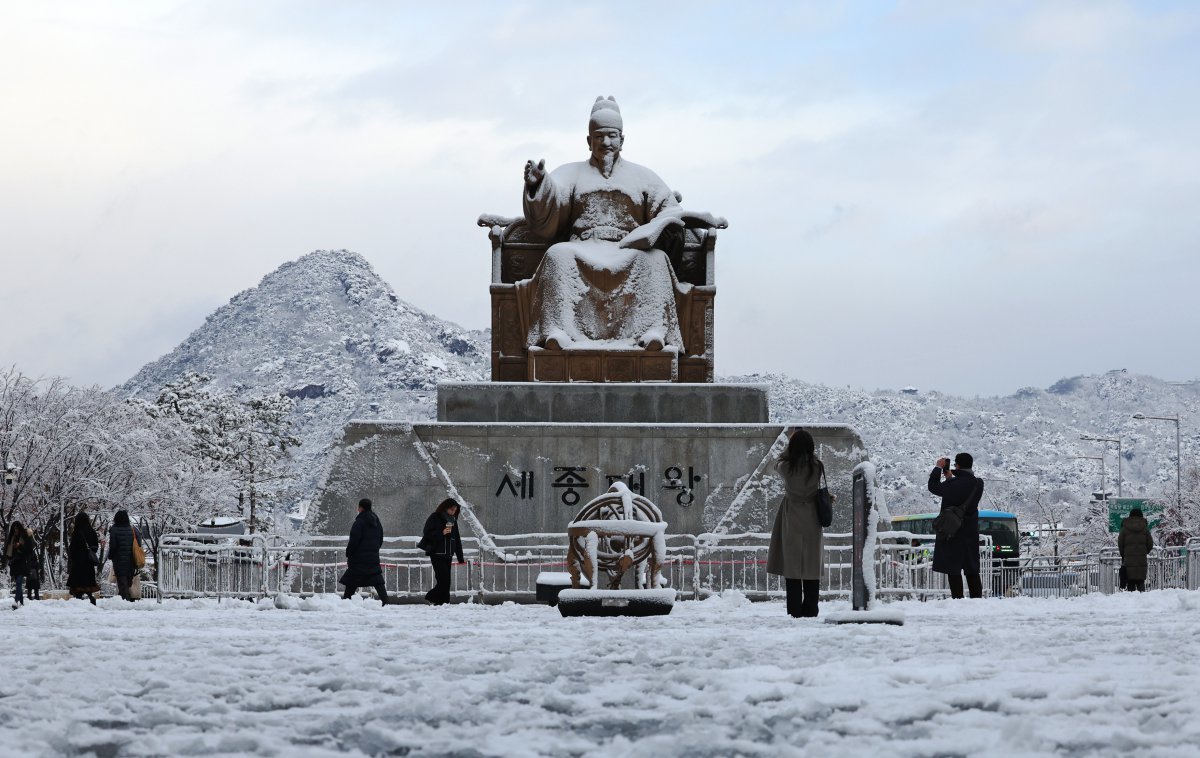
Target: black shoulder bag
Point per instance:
(824, 502)
(949, 521)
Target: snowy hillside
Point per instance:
(1014, 439)
(327, 331)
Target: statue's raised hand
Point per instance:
(534, 174)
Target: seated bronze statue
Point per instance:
(609, 281)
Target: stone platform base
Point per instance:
(616, 602)
(490, 402)
(534, 477)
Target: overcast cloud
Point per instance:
(901, 179)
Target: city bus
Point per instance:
(1001, 526)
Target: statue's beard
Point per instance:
(606, 161)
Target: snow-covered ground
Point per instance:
(1088, 676)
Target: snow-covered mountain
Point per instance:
(326, 330)
(1017, 440)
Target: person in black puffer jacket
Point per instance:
(362, 554)
(121, 536)
(1134, 543)
(19, 555)
(441, 542)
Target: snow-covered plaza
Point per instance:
(1095, 675)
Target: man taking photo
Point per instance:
(956, 549)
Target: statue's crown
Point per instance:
(606, 114)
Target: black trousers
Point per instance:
(123, 587)
(380, 590)
(440, 594)
(802, 597)
(974, 585)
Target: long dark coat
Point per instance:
(120, 550)
(441, 545)
(362, 552)
(1134, 544)
(81, 566)
(797, 542)
(959, 553)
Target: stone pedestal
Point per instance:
(525, 457)
(521, 402)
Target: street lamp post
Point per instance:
(1117, 442)
(1178, 457)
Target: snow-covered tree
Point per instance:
(68, 449)
(1180, 517)
(249, 441)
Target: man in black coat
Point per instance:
(362, 554)
(958, 554)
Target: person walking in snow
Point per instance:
(441, 542)
(362, 554)
(33, 578)
(957, 553)
(121, 538)
(19, 555)
(82, 557)
(1134, 544)
(797, 543)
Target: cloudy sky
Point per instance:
(974, 197)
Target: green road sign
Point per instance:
(1119, 508)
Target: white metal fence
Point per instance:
(697, 566)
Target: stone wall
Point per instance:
(608, 403)
(534, 477)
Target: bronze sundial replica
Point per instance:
(602, 372)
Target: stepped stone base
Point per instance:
(525, 456)
(529, 402)
(522, 478)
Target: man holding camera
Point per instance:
(956, 549)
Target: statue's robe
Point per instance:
(603, 281)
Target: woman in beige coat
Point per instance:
(796, 539)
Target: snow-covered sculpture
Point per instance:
(614, 533)
(608, 279)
